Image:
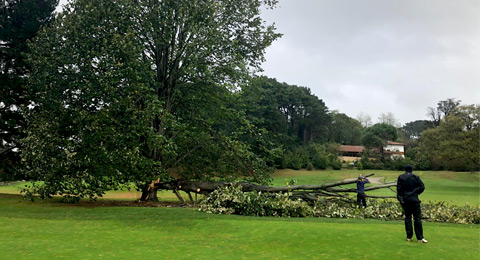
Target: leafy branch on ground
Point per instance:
(231, 200)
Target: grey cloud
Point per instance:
(379, 56)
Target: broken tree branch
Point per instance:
(366, 189)
(305, 192)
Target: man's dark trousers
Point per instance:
(361, 200)
(414, 209)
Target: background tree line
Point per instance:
(451, 141)
(110, 93)
(310, 134)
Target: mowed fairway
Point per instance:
(52, 230)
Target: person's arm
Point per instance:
(420, 186)
(399, 190)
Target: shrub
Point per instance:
(336, 164)
(376, 165)
(359, 165)
(231, 200)
(396, 163)
(444, 212)
(309, 166)
(365, 162)
(423, 163)
(391, 210)
(320, 161)
(348, 165)
(295, 163)
(295, 160)
(377, 209)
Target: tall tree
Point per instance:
(260, 99)
(470, 114)
(377, 137)
(443, 109)
(414, 129)
(19, 22)
(451, 146)
(388, 118)
(290, 112)
(435, 115)
(313, 118)
(345, 130)
(364, 119)
(145, 90)
(447, 107)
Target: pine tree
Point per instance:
(20, 21)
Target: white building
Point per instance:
(395, 149)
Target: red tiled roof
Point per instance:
(351, 148)
(395, 143)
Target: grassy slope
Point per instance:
(49, 230)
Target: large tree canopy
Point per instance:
(414, 129)
(378, 135)
(443, 109)
(292, 114)
(345, 130)
(455, 143)
(139, 90)
(19, 22)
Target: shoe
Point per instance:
(423, 240)
(409, 240)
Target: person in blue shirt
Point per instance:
(361, 200)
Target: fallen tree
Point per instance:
(306, 192)
(232, 200)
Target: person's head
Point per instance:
(408, 168)
(360, 176)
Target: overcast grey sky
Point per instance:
(378, 56)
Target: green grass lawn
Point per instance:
(125, 194)
(51, 230)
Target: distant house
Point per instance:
(395, 149)
(350, 153)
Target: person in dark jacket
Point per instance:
(361, 200)
(409, 186)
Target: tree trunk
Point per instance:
(305, 192)
(149, 192)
